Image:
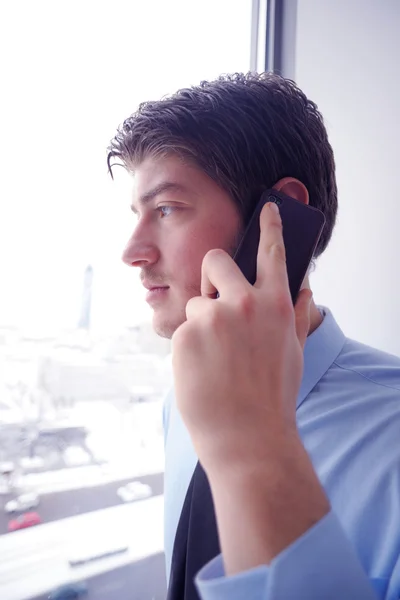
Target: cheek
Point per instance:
(190, 261)
(188, 256)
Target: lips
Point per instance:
(156, 291)
(157, 288)
(156, 295)
(153, 286)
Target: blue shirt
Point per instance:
(348, 416)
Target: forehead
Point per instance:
(152, 172)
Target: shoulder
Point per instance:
(370, 366)
(358, 395)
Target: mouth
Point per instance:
(155, 294)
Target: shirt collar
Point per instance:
(322, 348)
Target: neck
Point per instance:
(315, 318)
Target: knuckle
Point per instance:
(178, 339)
(183, 338)
(282, 305)
(191, 306)
(277, 250)
(246, 305)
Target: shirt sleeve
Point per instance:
(320, 564)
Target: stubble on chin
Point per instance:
(166, 327)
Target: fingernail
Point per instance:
(274, 207)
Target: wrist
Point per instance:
(251, 458)
(266, 507)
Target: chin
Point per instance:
(165, 327)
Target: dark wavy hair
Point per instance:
(245, 131)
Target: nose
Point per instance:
(140, 251)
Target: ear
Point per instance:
(294, 188)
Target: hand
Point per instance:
(238, 359)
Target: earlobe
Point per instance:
(294, 188)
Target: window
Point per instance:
(82, 376)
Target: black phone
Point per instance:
(302, 228)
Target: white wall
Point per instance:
(347, 55)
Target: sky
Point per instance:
(71, 71)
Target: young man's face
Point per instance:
(181, 215)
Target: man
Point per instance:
(295, 426)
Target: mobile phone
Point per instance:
(302, 228)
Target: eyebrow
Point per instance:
(161, 188)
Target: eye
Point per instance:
(165, 210)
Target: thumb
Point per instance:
(302, 315)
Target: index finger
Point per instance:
(271, 256)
